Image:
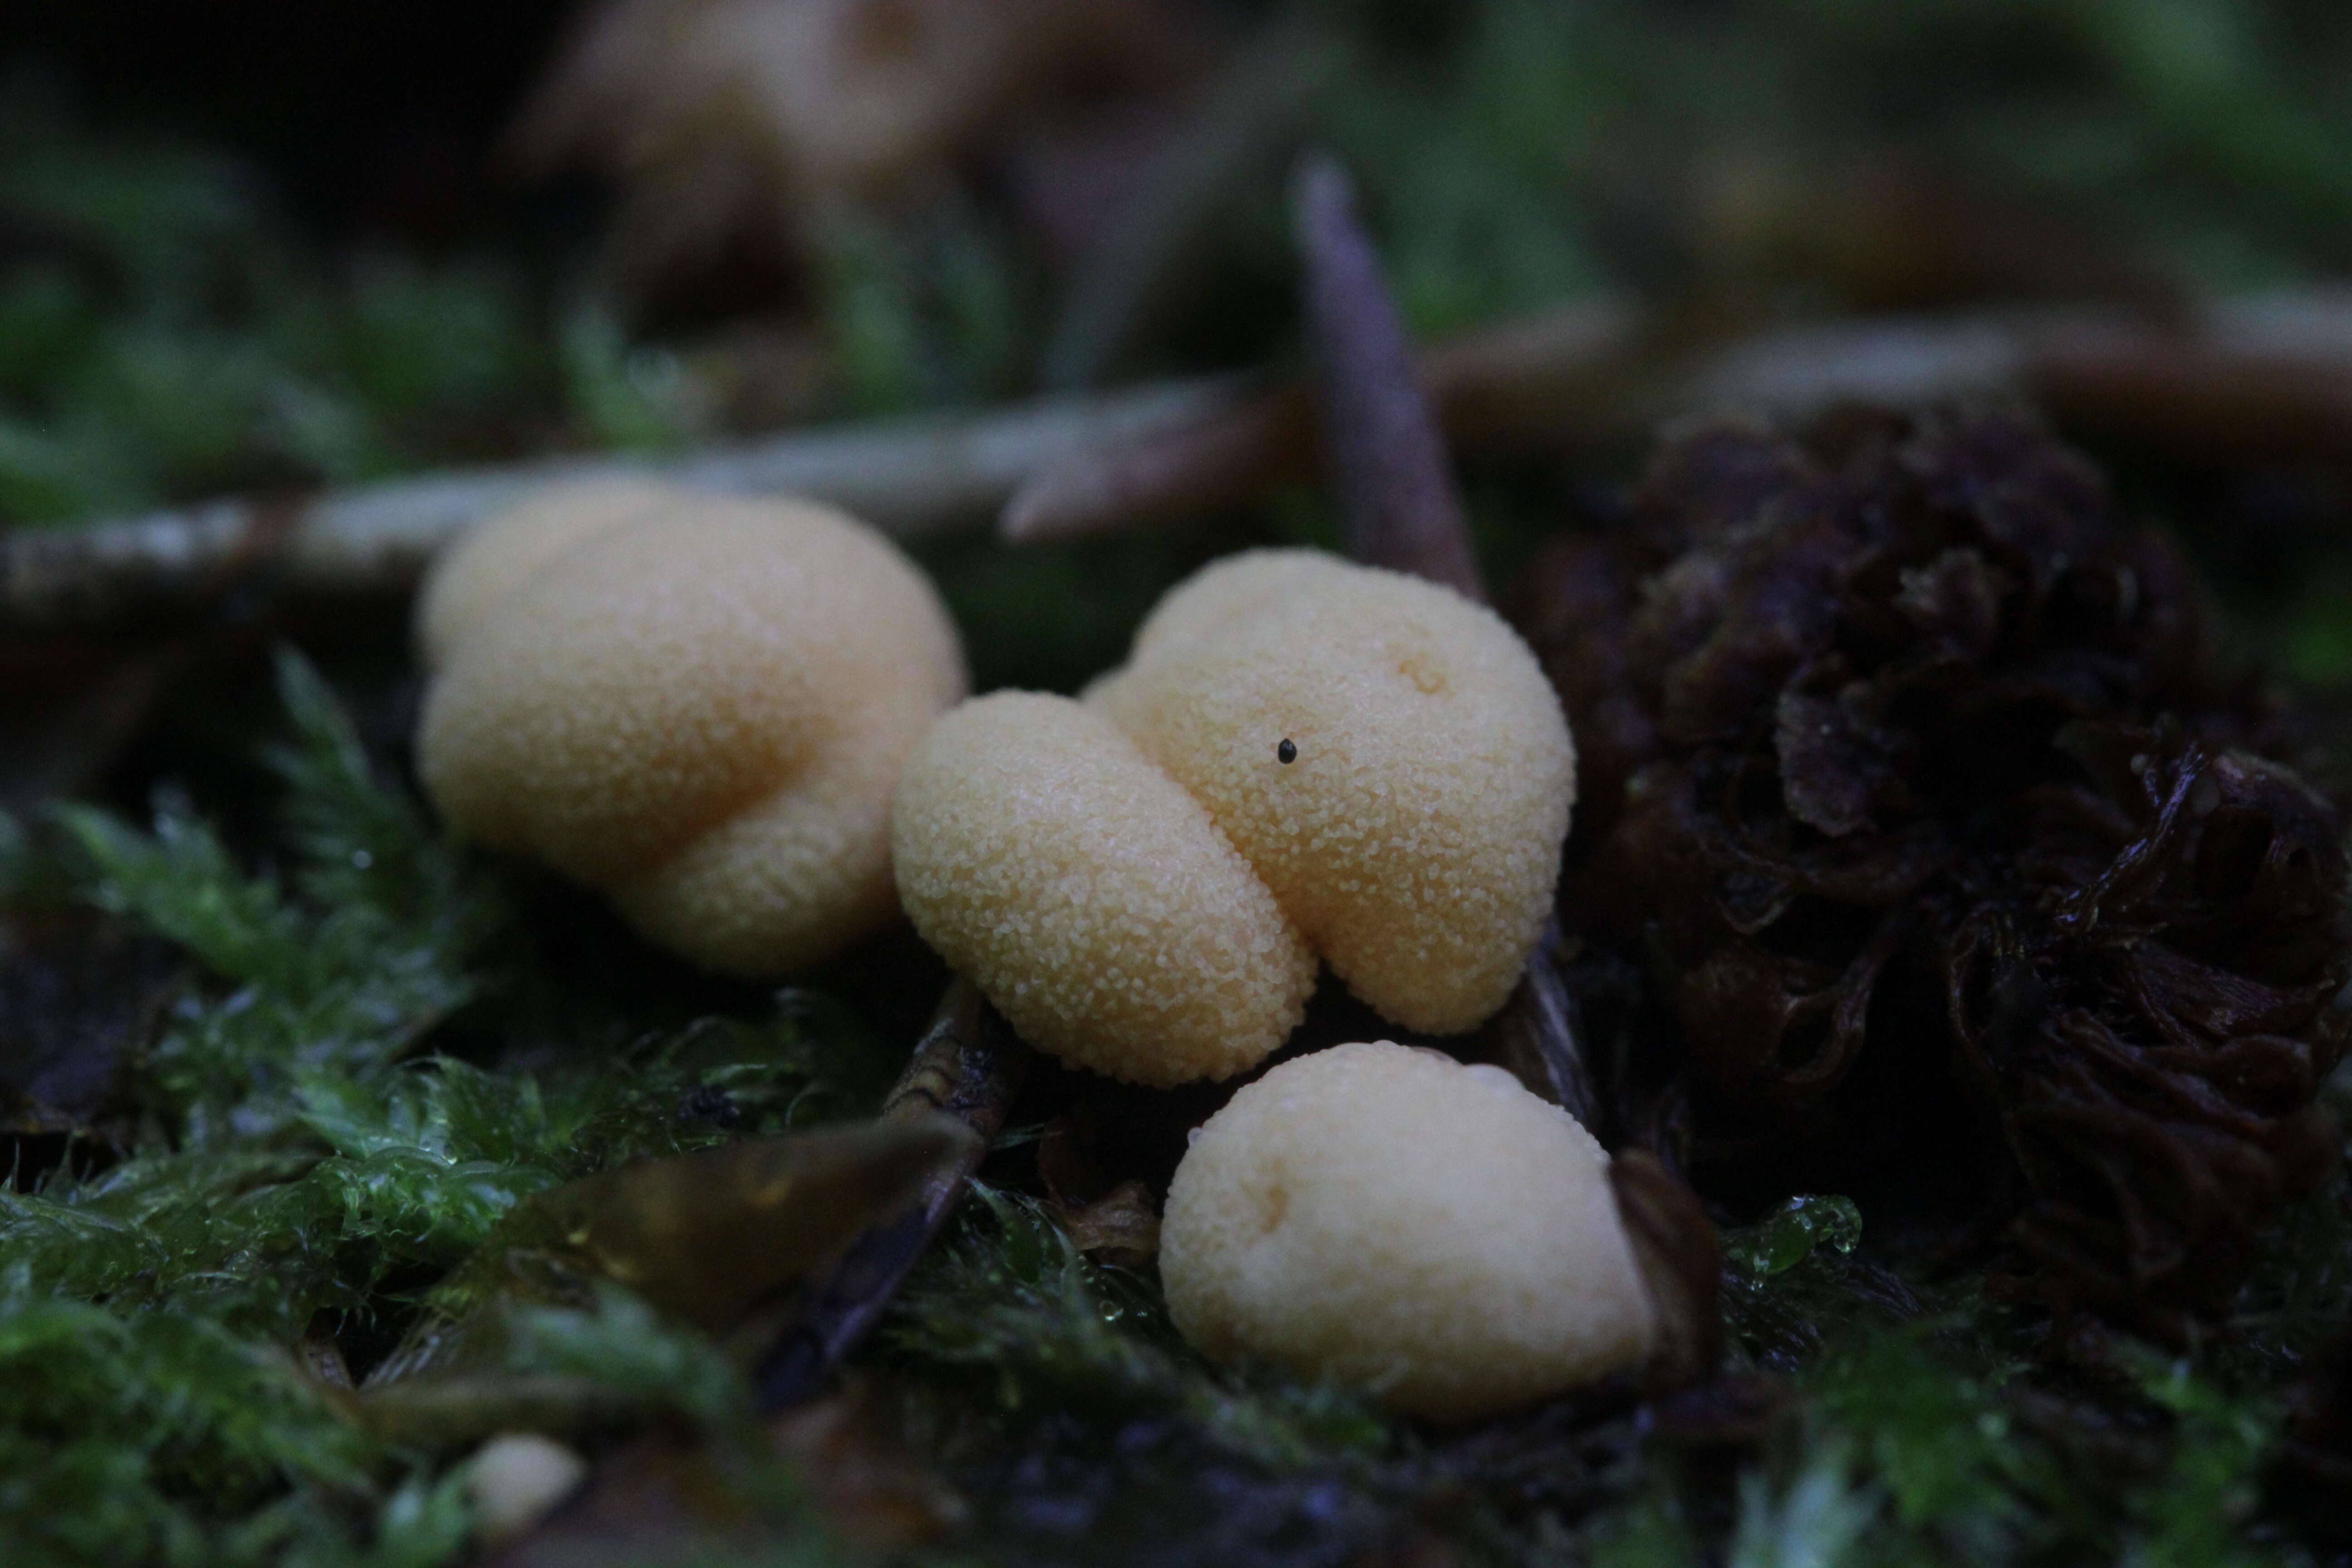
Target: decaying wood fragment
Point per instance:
(1404, 511)
(1681, 1262)
(669, 1491)
(966, 1067)
(719, 1238)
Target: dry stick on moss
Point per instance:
(1388, 460)
(2264, 375)
(1405, 514)
(908, 477)
(2253, 376)
(968, 1065)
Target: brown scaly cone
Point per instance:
(1942, 858)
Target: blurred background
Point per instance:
(262, 247)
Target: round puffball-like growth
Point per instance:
(1385, 1216)
(1414, 832)
(1381, 759)
(698, 705)
(1090, 897)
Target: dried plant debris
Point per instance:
(80, 996)
(1958, 872)
(735, 126)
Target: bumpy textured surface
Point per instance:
(1090, 897)
(1951, 866)
(700, 708)
(483, 565)
(1412, 838)
(1387, 1216)
(1416, 835)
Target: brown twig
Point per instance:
(968, 1065)
(1388, 460)
(2254, 377)
(908, 478)
(1405, 512)
(1537, 1036)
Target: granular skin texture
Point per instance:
(699, 708)
(1416, 835)
(1386, 1216)
(483, 565)
(1380, 764)
(1090, 899)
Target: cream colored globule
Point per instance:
(1092, 898)
(1382, 759)
(1414, 837)
(697, 704)
(1385, 1216)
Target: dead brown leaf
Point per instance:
(80, 995)
(856, 1466)
(1121, 1227)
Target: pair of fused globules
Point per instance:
(1302, 760)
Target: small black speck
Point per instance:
(1286, 753)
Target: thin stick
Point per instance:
(1403, 512)
(908, 478)
(1388, 460)
(2254, 377)
(1537, 1036)
(2267, 375)
(1536, 380)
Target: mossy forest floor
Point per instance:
(277, 1056)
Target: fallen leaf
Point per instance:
(1120, 1227)
(80, 994)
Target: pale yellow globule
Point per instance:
(1412, 838)
(1415, 836)
(698, 705)
(1089, 898)
(1387, 1217)
(481, 566)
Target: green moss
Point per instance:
(372, 1060)
(303, 1165)
(1009, 1304)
